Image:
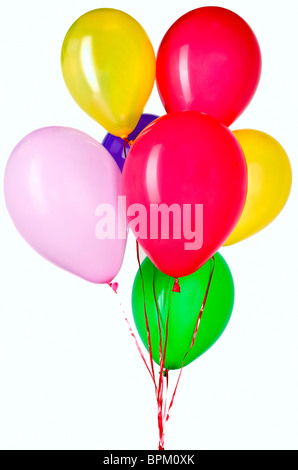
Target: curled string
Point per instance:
(161, 390)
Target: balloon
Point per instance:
(115, 145)
(191, 161)
(209, 61)
(269, 182)
(183, 310)
(55, 182)
(108, 65)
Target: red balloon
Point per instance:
(209, 61)
(190, 164)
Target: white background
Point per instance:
(70, 374)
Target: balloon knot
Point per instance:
(114, 286)
(176, 286)
(127, 141)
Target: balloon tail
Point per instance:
(176, 286)
(114, 286)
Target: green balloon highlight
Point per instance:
(183, 309)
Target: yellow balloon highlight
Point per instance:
(269, 182)
(108, 64)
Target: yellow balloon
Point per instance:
(269, 182)
(108, 64)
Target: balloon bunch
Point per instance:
(183, 183)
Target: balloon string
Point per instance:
(114, 287)
(193, 339)
(166, 393)
(146, 317)
(158, 317)
(162, 356)
(126, 142)
(159, 390)
(124, 148)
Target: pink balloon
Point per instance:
(55, 180)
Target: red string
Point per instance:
(162, 412)
(161, 391)
(162, 357)
(114, 286)
(160, 383)
(166, 393)
(158, 317)
(146, 317)
(193, 338)
(124, 147)
(126, 142)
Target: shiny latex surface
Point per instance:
(269, 182)
(108, 65)
(55, 179)
(183, 309)
(191, 159)
(209, 61)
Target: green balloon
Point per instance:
(183, 309)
